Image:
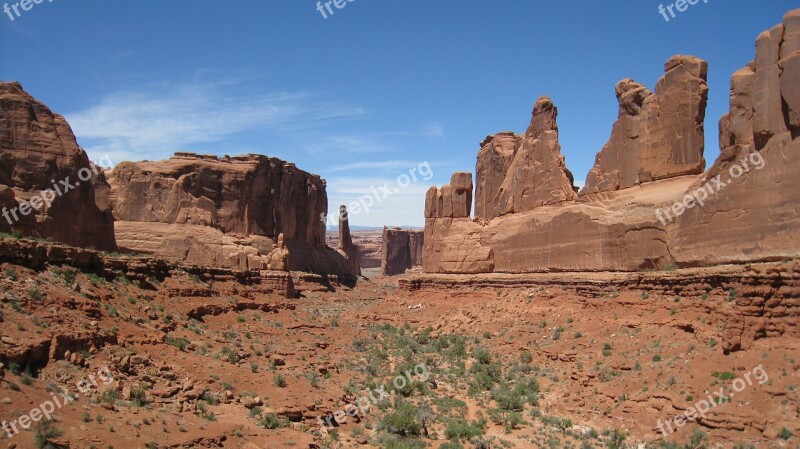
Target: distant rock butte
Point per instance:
(225, 211)
(653, 160)
(37, 150)
(402, 250)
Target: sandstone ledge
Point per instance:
(757, 300)
(38, 255)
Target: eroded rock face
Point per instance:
(346, 247)
(252, 195)
(755, 215)
(653, 162)
(396, 252)
(402, 249)
(416, 243)
(37, 151)
(619, 234)
(494, 160)
(453, 200)
(279, 258)
(657, 135)
(225, 211)
(519, 173)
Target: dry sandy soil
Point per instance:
(203, 364)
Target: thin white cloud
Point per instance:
(349, 144)
(158, 122)
(385, 165)
(381, 201)
(433, 131)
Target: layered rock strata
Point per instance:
(39, 255)
(754, 213)
(223, 211)
(48, 186)
(657, 135)
(402, 250)
(764, 304)
(517, 173)
(647, 204)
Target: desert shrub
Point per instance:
(616, 440)
(44, 434)
(271, 421)
(460, 429)
(697, 440)
(507, 399)
(138, 397)
(180, 343)
(403, 421)
(445, 405)
(231, 355)
(482, 356)
(724, 376)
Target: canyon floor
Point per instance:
(184, 362)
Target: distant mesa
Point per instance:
(226, 212)
(401, 250)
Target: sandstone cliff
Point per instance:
(225, 211)
(453, 200)
(657, 135)
(756, 215)
(519, 173)
(41, 162)
(401, 250)
(650, 169)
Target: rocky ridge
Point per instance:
(641, 206)
(45, 172)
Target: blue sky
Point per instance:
(368, 93)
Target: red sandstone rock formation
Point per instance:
(453, 200)
(652, 162)
(656, 136)
(38, 150)
(226, 211)
(346, 247)
(396, 252)
(402, 249)
(755, 216)
(370, 253)
(520, 173)
(416, 243)
(279, 258)
(252, 195)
